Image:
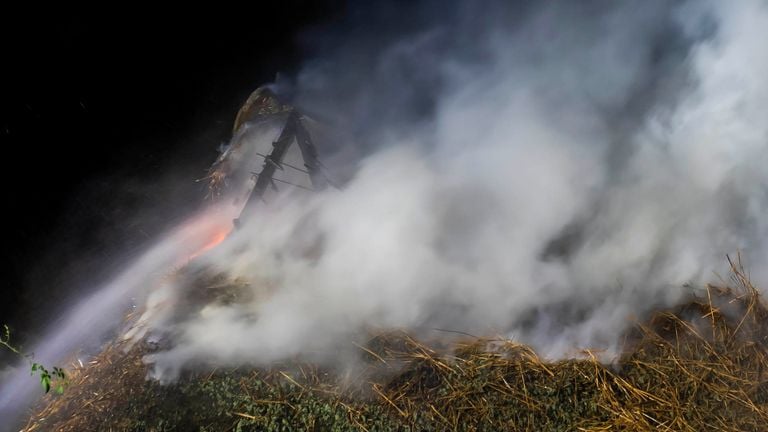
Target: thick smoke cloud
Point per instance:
(543, 172)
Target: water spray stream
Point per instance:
(95, 319)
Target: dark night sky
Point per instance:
(99, 110)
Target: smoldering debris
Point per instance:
(628, 138)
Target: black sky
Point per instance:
(99, 110)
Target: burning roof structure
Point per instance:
(697, 366)
(271, 151)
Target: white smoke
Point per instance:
(544, 173)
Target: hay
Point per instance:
(700, 366)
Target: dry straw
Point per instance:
(700, 366)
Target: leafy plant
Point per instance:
(48, 377)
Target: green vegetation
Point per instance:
(53, 377)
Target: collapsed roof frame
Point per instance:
(264, 105)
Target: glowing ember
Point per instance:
(203, 232)
(215, 240)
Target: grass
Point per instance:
(700, 366)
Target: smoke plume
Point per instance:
(542, 171)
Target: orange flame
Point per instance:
(202, 233)
(215, 240)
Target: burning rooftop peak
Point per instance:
(271, 151)
(262, 102)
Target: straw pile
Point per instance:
(701, 366)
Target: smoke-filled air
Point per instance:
(548, 175)
(545, 172)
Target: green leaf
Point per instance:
(60, 389)
(46, 383)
